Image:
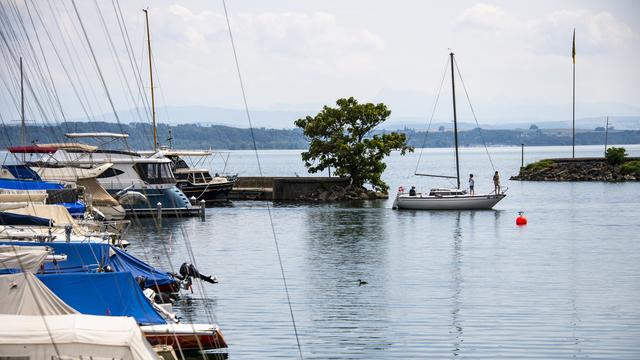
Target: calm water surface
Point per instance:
(440, 284)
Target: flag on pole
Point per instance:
(573, 49)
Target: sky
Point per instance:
(515, 56)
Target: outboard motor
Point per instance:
(188, 271)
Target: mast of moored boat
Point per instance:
(23, 125)
(455, 120)
(153, 105)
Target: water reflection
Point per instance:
(456, 283)
(342, 246)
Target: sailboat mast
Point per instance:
(23, 130)
(23, 126)
(455, 120)
(606, 134)
(573, 55)
(153, 104)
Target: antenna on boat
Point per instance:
(455, 120)
(153, 105)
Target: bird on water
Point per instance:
(362, 282)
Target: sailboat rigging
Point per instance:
(448, 198)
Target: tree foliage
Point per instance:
(616, 155)
(341, 138)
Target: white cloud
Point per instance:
(550, 34)
(595, 32)
(292, 33)
(486, 17)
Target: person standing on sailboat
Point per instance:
(471, 184)
(496, 183)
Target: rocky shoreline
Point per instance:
(582, 169)
(343, 193)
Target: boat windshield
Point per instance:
(155, 173)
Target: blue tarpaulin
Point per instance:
(11, 184)
(8, 218)
(22, 172)
(90, 257)
(76, 209)
(108, 294)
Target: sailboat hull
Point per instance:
(464, 202)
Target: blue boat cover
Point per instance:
(12, 184)
(7, 218)
(92, 257)
(22, 172)
(108, 294)
(76, 209)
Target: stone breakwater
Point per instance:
(342, 193)
(581, 169)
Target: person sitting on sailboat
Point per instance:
(412, 192)
(471, 184)
(496, 183)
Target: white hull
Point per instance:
(454, 202)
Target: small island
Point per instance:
(616, 166)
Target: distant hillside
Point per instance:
(194, 136)
(283, 119)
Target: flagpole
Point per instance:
(574, 93)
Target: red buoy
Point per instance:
(521, 220)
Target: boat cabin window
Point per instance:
(446, 192)
(155, 173)
(178, 162)
(181, 176)
(207, 177)
(110, 172)
(198, 177)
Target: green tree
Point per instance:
(341, 138)
(616, 155)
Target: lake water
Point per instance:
(440, 284)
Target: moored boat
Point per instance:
(447, 198)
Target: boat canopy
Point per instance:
(108, 293)
(15, 258)
(72, 146)
(73, 336)
(172, 152)
(94, 257)
(97, 135)
(13, 184)
(25, 294)
(32, 149)
(99, 195)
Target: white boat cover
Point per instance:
(73, 336)
(69, 173)
(25, 258)
(25, 294)
(97, 135)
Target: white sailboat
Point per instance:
(448, 198)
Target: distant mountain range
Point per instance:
(277, 119)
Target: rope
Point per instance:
(255, 148)
(455, 62)
(435, 105)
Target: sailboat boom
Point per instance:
(438, 176)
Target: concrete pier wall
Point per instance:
(281, 188)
